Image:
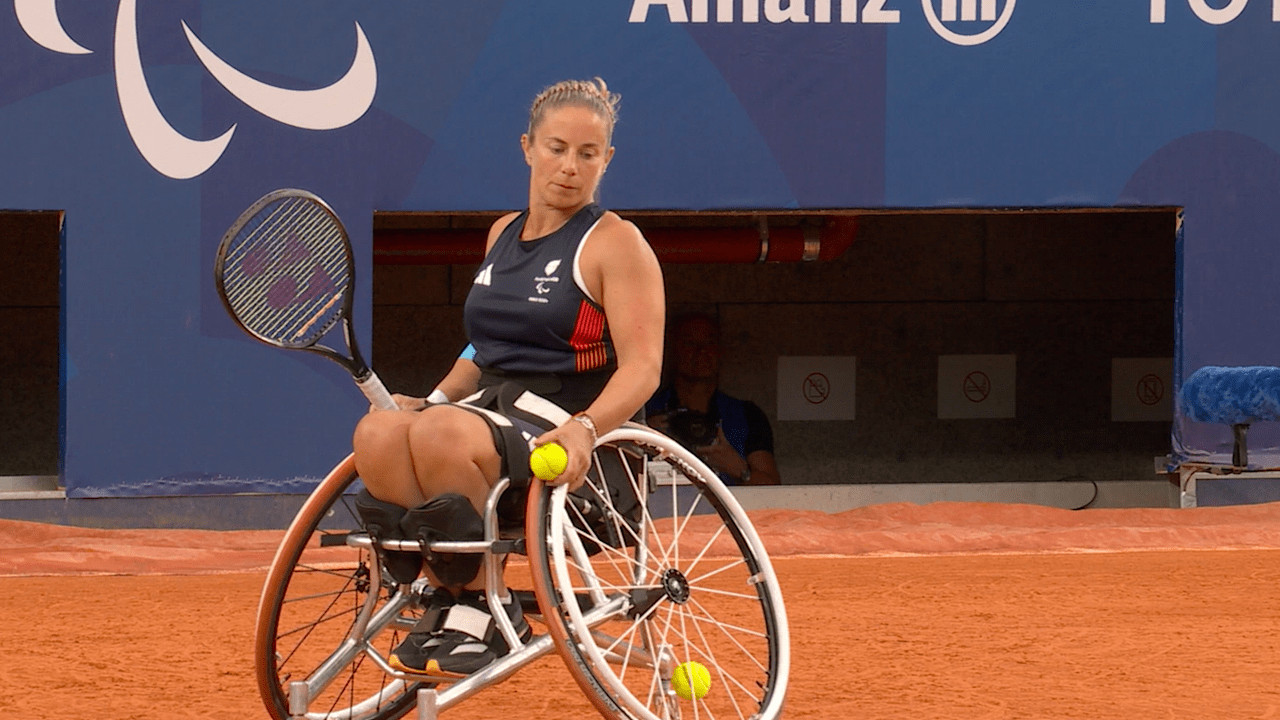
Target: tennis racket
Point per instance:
(285, 273)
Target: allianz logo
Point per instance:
(1209, 14)
(960, 22)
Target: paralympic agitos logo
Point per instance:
(960, 22)
(163, 146)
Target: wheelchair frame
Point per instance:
(603, 606)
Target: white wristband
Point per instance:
(437, 396)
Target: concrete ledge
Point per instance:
(1069, 495)
(275, 512)
(192, 512)
(33, 495)
(28, 483)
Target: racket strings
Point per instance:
(287, 271)
(265, 255)
(282, 304)
(298, 310)
(259, 252)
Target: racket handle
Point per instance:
(373, 389)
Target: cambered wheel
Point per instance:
(324, 608)
(628, 596)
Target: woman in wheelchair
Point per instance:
(565, 320)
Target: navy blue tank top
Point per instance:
(528, 310)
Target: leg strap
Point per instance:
(382, 522)
(448, 518)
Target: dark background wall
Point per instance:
(29, 307)
(1064, 291)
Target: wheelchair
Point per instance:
(622, 594)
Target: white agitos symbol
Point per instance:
(39, 20)
(326, 108)
(169, 151)
(968, 12)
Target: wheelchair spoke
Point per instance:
(699, 580)
(727, 593)
(688, 568)
(325, 615)
(686, 579)
(348, 690)
(323, 622)
(724, 627)
(583, 530)
(318, 570)
(728, 629)
(640, 656)
(726, 679)
(308, 627)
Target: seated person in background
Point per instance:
(731, 435)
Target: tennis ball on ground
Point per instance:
(548, 461)
(691, 680)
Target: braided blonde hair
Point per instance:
(591, 94)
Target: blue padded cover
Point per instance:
(1232, 395)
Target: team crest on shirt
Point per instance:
(544, 283)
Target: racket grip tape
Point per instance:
(373, 389)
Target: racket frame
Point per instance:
(354, 363)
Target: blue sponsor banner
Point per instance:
(154, 124)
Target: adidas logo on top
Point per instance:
(485, 276)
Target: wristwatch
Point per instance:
(746, 475)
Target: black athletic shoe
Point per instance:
(456, 639)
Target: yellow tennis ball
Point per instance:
(548, 461)
(691, 680)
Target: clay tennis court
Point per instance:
(949, 610)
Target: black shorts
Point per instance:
(517, 417)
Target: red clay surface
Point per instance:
(948, 611)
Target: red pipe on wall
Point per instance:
(712, 245)
(437, 246)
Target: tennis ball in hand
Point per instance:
(548, 461)
(691, 680)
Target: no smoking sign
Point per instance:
(1150, 389)
(817, 387)
(1141, 389)
(976, 386)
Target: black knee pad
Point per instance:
(382, 522)
(450, 518)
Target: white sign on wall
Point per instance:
(817, 387)
(977, 386)
(1141, 389)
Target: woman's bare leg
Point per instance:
(409, 458)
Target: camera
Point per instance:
(691, 428)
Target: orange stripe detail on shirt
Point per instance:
(588, 338)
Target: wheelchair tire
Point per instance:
(317, 620)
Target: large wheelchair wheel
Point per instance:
(326, 611)
(630, 591)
